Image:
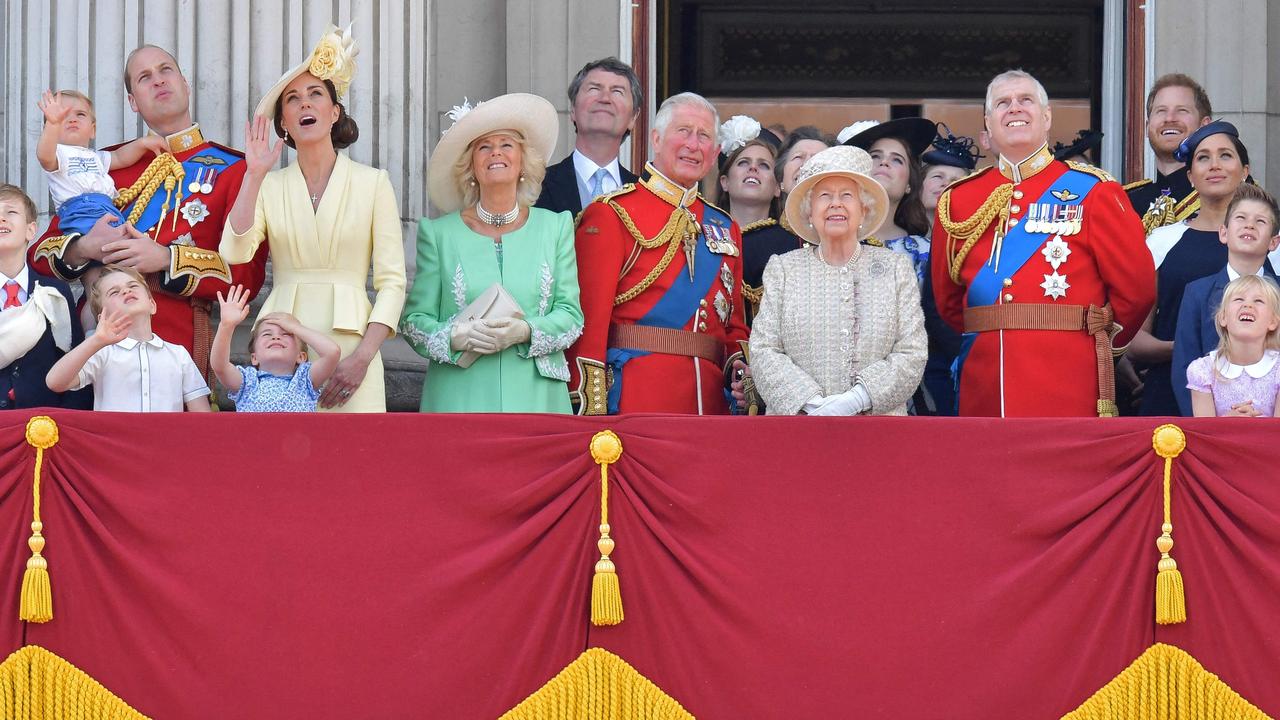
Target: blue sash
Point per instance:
(678, 304)
(1018, 246)
(193, 167)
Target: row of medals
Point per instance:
(1067, 219)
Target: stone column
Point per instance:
(1224, 45)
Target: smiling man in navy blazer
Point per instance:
(604, 99)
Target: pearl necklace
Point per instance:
(497, 220)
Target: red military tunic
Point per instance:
(196, 272)
(624, 282)
(1028, 372)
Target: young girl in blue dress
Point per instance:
(280, 378)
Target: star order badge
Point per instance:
(1055, 285)
(195, 211)
(1056, 251)
(722, 307)
(726, 276)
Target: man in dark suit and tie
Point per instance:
(604, 99)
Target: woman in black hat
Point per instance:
(895, 149)
(749, 191)
(1217, 163)
(948, 159)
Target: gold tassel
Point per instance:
(606, 594)
(36, 603)
(1171, 605)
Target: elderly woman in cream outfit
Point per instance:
(326, 218)
(840, 330)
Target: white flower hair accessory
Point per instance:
(736, 132)
(459, 111)
(334, 58)
(843, 136)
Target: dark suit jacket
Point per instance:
(1197, 333)
(25, 376)
(560, 187)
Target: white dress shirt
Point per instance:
(584, 167)
(135, 376)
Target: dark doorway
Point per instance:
(793, 63)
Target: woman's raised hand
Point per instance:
(260, 155)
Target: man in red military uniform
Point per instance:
(176, 213)
(1039, 263)
(660, 272)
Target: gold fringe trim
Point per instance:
(1171, 606)
(36, 601)
(598, 684)
(35, 684)
(606, 594)
(1165, 682)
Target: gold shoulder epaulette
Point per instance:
(1097, 172)
(970, 176)
(1137, 184)
(708, 203)
(767, 222)
(626, 188)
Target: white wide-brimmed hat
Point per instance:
(533, 117)
(844, 161)
(332, 59)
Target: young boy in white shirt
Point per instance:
(130, 367)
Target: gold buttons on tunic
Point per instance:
(1008, 297)
(1017, 194)
(1015, 209)
(702, 326)
(1008, 282)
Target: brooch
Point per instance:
(195, 211)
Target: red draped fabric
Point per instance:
(440, 566)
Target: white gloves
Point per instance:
(504, 332)
(467, 336)
(853, 401)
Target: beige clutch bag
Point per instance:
(495, 302)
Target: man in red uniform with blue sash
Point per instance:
(660, 272)
(1042, 265)
(178, 203)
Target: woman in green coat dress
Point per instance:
(486, 173)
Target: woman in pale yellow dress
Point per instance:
(327, 219)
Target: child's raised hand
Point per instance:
(155, 144)
(51, 105)
(113, 326)
(286, 321)
(234, 308)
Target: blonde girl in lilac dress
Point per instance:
(1242, 377)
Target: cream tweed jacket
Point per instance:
(820, 329)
